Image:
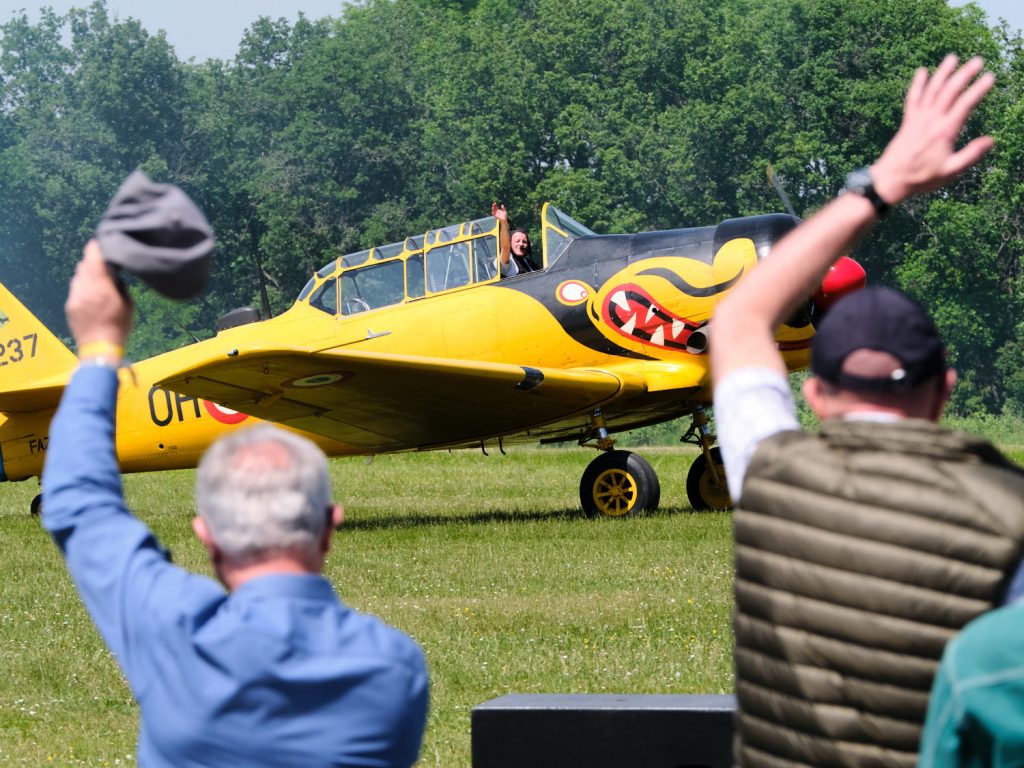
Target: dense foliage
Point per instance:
(325, 136)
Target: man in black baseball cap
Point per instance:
(878, 349)
(859, 550)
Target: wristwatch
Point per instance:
(860, 183)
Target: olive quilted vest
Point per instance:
(859, 552)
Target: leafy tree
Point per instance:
(79, 118)
(326, 136)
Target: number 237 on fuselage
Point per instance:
(421, 345)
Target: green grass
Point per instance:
(486, 561)
(1007, 431)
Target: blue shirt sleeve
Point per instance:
(1015, 589)
(123, 575)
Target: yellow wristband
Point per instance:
(103, 349)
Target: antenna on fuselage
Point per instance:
(776, 183)
(181, 327)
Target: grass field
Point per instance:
(486, 561)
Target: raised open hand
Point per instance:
(922, 156)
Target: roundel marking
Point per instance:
(572, 292)
(319, 379)
(224, 415)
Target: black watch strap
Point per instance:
(860, 182)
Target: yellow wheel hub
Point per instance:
(714, 492)
(615, 492)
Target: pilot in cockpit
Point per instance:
(515, 252)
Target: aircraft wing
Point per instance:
(375, 402)
(44, 395)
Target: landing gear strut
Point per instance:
(706, 487)
(616, 483)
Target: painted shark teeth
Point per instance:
(677, 328)
(658, 337)
(630, 325)
(651, 312)
(620, 300)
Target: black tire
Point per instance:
(703, 491)
(618, 483)
(36, 505)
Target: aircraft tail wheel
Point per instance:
(36, 505)
(702, 489)
(618, 482)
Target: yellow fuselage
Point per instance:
(636, 316)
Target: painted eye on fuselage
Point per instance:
(573, 292)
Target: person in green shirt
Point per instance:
(976, 711)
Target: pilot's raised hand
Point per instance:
(922, 156)
(98, 312)
(504, 242)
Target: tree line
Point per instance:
(325, 136)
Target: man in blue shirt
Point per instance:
(275, 671)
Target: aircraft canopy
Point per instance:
(438, 261)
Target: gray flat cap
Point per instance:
(157, 233)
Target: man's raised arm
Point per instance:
(921, 157)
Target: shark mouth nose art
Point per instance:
(634, 313)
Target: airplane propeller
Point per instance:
(845, 276)
(776, 183)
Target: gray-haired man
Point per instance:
(275, 671)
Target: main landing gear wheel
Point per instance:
(703, 489)
(617, 483)
(36, 504)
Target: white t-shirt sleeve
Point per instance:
(508, 270)
(751, 404)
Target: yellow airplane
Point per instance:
(420, 345)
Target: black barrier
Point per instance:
(597, 730)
